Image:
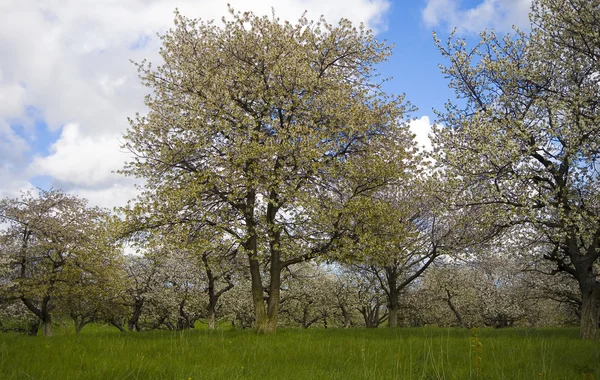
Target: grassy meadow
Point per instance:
(101, 352)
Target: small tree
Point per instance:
(53, 240)
(308, 296)
(94, 296)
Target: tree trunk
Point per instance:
(260, 312)
(263, 324)
(132, 324)
(78, 327)
(213, 295)
(270, 325)
(305, 322)
(211, 320)
(43, 313)
(274, 294)
(46, 316)
(590, 313)
(47, 326)
(116, 324)
(452, 307)
(371, 315)
(393, 316)
(588, 285)
(346, 315)
(392, 294)
(80, 321)
(77, 323)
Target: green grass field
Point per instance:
(100, 352)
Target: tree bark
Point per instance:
(583, 271)
(132, 324)
(43, 313)
(261, 319)
(184, 321)
(346, 316)
(78, 326)
(212, 299)
(393, 316)
(274, 295)
(47, 326)
(452, 307)
(116, 324)
(260, 312)
(590, 313)
(393, 294)
(211, 320)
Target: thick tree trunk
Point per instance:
(393, 316)
(47, 326)
(590, 313)
(262, 321)
(274, 292)
(588, 285)
(270, 325)
(46, 316)
(211, 320)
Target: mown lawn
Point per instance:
(403, 353)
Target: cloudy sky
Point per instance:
(67, 85)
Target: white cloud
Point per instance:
(85, 165)
(12, 97)
(422, 128)
(12, 182)
(83, 161)
(499, 15)
(70, 60)
(115, 195)
(12, 146)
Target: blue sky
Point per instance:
(67, 86)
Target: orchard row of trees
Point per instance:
(57, 273)
(269, 146)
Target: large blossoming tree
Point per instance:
(269, 132)
(524, 141)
